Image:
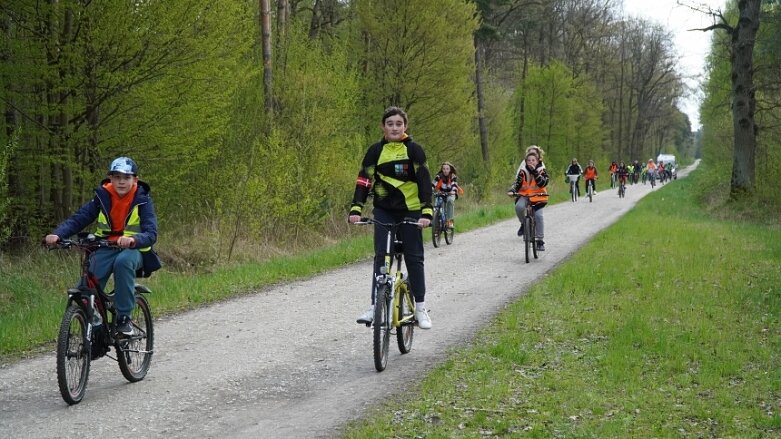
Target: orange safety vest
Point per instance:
(590, 173)
(530, 189)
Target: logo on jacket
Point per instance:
(402, 169)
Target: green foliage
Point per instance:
(420, 57)
(562, 114)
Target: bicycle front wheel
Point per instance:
(590, 194)
(135, 352)
(573, 192)
(533, 223)
(528, 236)
(436, 227)
(449, 231)
(73, 355)
(381, 327)
(406, 309)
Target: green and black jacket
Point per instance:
(397, 174)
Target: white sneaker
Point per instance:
(424, 321)
(367, 317)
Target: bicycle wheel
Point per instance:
(135, 352)
(534, 236)
(406, 308)
(449, 231)
(73, 355)
(381, 327)
(436, 227)
(590, 194)
(527, 236)
(573, 192)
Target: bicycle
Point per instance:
(88, 328)
(573, 188)
(652, 178)
(439, 226)
(613, 180)
(529, 225)
(394, 306)
(590, 190)
(622, 188)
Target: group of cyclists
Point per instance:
(620, 172)
(393, 171)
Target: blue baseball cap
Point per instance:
(123, 165)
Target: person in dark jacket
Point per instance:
(395, 170)
(125, 215)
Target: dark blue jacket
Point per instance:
(88, 213)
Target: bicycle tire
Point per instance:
(573, 192)
(533, 223)
(381, 328)
(73, 355)
(436, 229)
(449, 232)
(134, 353)
(527, 236)
(590, 194)
(406, 331)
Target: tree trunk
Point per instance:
(481, 101)
(743, 99)
(265, 27)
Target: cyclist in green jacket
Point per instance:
(395, 170)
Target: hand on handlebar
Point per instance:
(51, 240)
(352, 219)
(423, 223)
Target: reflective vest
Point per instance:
(132, 225)
(530, 189)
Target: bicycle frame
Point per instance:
(386, 276)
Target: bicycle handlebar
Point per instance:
(88, 242)
(368, 221)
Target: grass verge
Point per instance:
(664, 325)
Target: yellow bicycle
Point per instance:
(394, 306)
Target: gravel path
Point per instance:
(290, 361)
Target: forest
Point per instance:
(249, 118)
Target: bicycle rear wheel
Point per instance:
(381, 327)
(405, 332)
(134, 353)
(73, 355)
(436, 227)
(528, 236)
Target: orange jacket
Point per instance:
(590, 173)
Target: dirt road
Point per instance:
(290, 362)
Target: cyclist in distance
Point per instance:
(590, 174)
(530, 181)
(575, 169)
(636, 168)
(623, 173)
(125, 215)
(650, 168)
(395, 167)
(446, 181)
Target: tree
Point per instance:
(743, 37)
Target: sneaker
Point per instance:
(520, 230)
(424, 321)
(367, 317)
(540, 245)
(124, 325)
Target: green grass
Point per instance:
(664, 325)
(32, 287)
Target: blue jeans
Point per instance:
(539, 219)
(123, 263)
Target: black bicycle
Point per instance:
(529, 225)
(394, 306)
(439, 224)
(88, 328)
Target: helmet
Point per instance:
(123, 165)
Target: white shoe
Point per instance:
(424, 321)
(367, 317)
